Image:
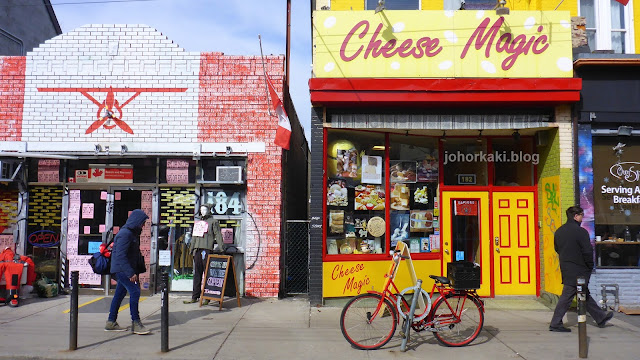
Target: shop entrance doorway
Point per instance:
(465, 231)
(495, 230)
(514, 243)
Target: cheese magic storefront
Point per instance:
(450, 131)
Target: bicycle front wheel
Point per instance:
(368, 321)
(458, 319)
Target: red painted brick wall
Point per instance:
(232, 107)
(12, 70)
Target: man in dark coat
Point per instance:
(125, 267)
(574, 249)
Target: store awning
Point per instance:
(360, 92)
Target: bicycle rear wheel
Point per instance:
(459, 318)
(363, 327)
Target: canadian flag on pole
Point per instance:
(283, 134)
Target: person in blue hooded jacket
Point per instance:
(125, 267)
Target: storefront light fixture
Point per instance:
(444, 136)
(228, 151)
(501, 9)
(378, 147)
(516, 135)
(123, 149)
(98, 148)
(380, 6)
(625, 130)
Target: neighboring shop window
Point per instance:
(227, 204)
(395, 4)
(355, 201)
(177, 206)
(513, 161)
(177, 171)
(616, 195)
(413, 177)
(43, 229)
(464, 161)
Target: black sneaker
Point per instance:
(559, 329)
(604, 321)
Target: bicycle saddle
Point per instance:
(440, 279)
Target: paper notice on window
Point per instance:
(87, 211)
(200, 227)
(6, 241)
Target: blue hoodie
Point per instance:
(126, 244)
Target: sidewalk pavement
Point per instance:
(515, 328)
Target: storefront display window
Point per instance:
(513, 161)
(616, 187)
(413, 177)
(463, 161)
(43, 229)
(356, 193)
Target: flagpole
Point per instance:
(264, 68)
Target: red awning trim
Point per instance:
(437, 92)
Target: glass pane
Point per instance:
(413, 167)
(465, 227)
(617, 42)
(395, 4)
(464, 163)
(591, 40)
(617, 15)
(587, 10)
(513, 162)
(355, 193)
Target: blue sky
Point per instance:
(231, 27)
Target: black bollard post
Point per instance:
(73, 313)
(164, 316)
(582, 317)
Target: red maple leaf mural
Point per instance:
(97, 172)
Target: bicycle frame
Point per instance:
(390, 290)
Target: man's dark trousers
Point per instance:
(568, 293)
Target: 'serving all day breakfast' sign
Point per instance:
(441, 44)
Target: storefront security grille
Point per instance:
(441, 122)
(296, 260)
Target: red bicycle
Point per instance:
(368, 321)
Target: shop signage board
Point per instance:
(219, 279)
(442, 44)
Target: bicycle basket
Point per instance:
(463, 275)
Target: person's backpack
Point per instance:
(100, 261)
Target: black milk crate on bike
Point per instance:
(463, 275)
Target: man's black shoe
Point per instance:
(559, 329)
(606, 319)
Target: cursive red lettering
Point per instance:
(541, 40)
(374, 44)
(480, 38)
(343, 48)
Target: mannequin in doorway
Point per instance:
(201, 246)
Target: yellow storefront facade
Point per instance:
(445, 130)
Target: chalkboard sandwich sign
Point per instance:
(219, 279)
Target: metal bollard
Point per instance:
(73, 313)
(164, 316)
(407, 324)
(582, 317)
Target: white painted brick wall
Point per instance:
(81, 59)
(627, 280)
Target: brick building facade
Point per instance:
(167, 125)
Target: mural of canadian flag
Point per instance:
(283, 133)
